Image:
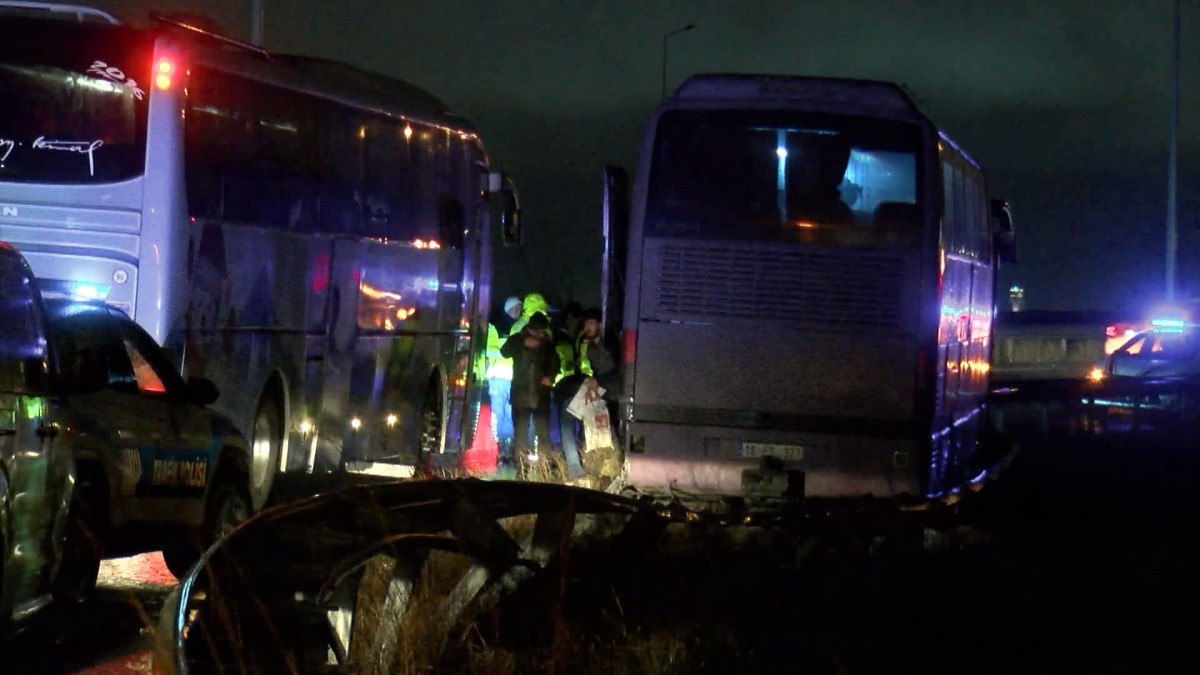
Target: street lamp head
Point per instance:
(681, 29)
(677, 31)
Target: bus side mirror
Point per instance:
(615, 227)
(1003, 233)
(506, 207)
(201, 391)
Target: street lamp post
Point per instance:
(1173, 161)
(666, 36)
(256, 22)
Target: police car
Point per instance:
(35, 456)
(158, 470)
(1156, 370)
(1171, 348)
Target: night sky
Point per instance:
(1066, 104)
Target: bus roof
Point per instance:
(323, 78)
(874, 93)
(341, 82)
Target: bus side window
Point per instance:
(342, 157)
(287, 159)
(450, 223)
(387, 180)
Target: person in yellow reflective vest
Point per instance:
(499, 377)
(565, 334)
(595, 367)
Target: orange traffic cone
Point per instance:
(481, 457)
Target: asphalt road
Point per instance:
(110, 635)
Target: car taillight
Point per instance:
(629, 347)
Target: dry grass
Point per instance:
(569, 619)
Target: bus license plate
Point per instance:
(787, 452)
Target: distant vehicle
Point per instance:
(1040, 346)
(1163, 351)
(36, 467)
(313, 238)
(156, 468)
(807, 296)
(1156, 372)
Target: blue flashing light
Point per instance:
(1168, 324)
(86, 291)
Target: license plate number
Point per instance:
(786, 452)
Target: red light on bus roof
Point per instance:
(163, 72)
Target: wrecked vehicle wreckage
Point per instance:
(285, 592)
(393, 577)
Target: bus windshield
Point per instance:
(75, 99)
(784, 176)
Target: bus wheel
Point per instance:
(433, 423)
(264, 450)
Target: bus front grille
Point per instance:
(835, 288)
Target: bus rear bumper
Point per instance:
(705, 460)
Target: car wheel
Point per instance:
(230, 506)
(264, 449)
(182, 550)
(79, 567)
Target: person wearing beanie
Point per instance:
(498, 373)
(533, 303)
(535, 366)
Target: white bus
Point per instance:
(313, 238)
(808, 294)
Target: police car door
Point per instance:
(35, 460)
(175, 465)
(127, 425)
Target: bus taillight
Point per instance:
(629, 347)
(164, 73)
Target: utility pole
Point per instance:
(1173, 161)
(256, 22)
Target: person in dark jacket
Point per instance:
(535, 365)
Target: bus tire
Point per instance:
(265, 448)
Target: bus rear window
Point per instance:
(75, 99)
(784, 176)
